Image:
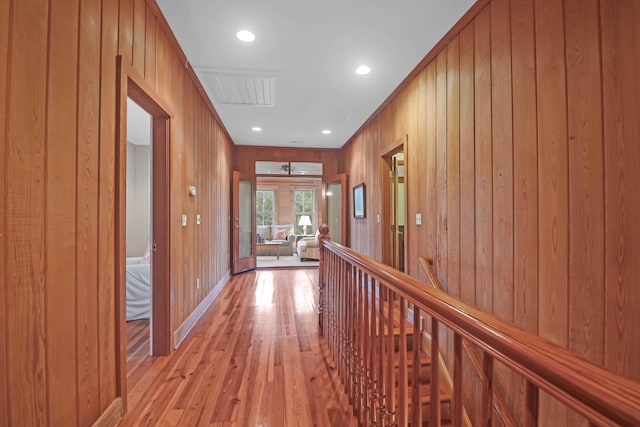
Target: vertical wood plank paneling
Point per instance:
(125, 32)
(525, 178)
(621, 101)
(418, 173)
(467, 167)
(106, 207)
(452, 173)
(483, 163)
(431, 188)
(586, 181)
(525, 166)
(87, 210)
(502, 121)
(552, 179)
(453, 168)
(160, 61)
(139, 37)
(441, 167)
(177, 208)
(411, 190)
(150, 48)
(4, 61)
(24, 204)
(467, 195)
(60, 217)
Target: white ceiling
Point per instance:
(312, 49)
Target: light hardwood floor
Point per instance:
(254, 359)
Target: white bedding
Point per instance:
(138, 279)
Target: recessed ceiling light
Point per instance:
(363, 70)
(326, 131)
(245, 36)
(256, 128)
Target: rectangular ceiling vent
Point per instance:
(240, 87)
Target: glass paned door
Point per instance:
(335, 199)
(244, 227)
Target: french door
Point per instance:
(243, 223)
(336, 207)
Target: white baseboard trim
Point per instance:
(183, 330)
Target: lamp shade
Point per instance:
(304, 220)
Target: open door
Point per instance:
(336, 207)
(243, 223)
(394, 205)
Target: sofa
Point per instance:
(282, 233)
(308, 248)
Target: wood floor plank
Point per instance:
(255, 358)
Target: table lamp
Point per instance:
(304, 221)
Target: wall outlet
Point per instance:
(184, 220)
(198, 219)
(198, 283)
(418, 219)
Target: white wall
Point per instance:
(138, 199)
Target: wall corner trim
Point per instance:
(111, 416)
(183, 330)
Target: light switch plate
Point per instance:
(184, 220)
(378, 218)
(418, 219)
(198, 219)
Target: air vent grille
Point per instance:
(241, 88)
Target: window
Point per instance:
(264, 207)
(303, 205)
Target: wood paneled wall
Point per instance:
(245, 156)
(523, 158)
(57, 189)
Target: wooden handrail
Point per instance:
(598, 394)
(499, 406)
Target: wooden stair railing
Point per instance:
(358, 299)
(499, 406)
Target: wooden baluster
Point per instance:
(341, 322)
(390, 383)
(360, 340)
(321, 276)
(379, 392)
(435, 375)
(334, 292)
(457, 380)
(402, 405)
(531, 416)
(487, 390)
(374, 352)
(330, 305)
(352, 334)
(417, 347)
(382, 298)
(366, 351)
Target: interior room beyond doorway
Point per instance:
(283, 206)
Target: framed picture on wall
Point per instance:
(359, 201)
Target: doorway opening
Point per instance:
(394, 207)
(139, 236)
(142, 221)
(288, 213)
